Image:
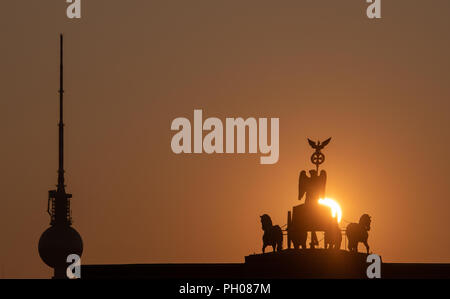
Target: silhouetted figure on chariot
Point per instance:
(314, 188)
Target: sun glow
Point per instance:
(334, 206)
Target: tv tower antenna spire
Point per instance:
(60, 240)
(59, 200)
(61, 185)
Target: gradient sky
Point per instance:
(380, 88)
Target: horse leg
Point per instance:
(338, 242)
(314, 240)
(280, 245)
(351, 246)
(303, 240)
(264, 248)
(367, 246)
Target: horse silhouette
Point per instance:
(333, 237)
(357, 232)
(273, 235)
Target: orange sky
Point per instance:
(379, 88)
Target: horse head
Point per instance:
(365, 221)
(266, 222)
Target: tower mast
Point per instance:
(60, 240)
(61, 185)
(59, 203)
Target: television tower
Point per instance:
(60, 240)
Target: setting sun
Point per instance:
(335, 207)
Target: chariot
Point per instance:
(305, 218)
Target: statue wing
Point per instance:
(325, 143)
(322, 183)
(303, 181)
(312, 143)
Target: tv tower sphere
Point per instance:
(57, 243)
